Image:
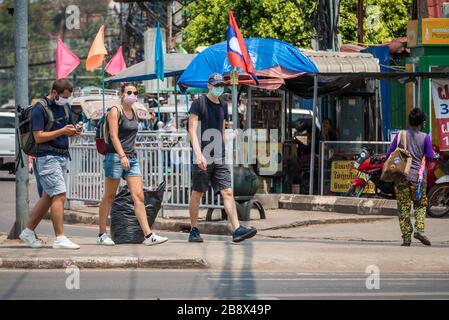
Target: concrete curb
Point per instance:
(102, 263)
(361, 206)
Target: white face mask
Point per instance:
(61, 101)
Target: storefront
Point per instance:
(428, 39)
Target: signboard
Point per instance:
(428, 31)
(440, 94)
(435, 31)
(342, 176)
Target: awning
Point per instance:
(273, 60)
(340, 83)
(174, 65)
(94, 109)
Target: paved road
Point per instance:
(145, 284)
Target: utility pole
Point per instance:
(360, 14)
(21, 97)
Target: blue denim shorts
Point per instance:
(113, 169)
(51, 170)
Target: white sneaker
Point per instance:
(105, 240)
(29, 237)
(154, 239)
(63, 242)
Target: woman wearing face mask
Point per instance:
(121, 162)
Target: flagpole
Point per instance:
(102, 85)
(234, 79)
(234, 98)
(158, 102)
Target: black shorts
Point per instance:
(216, 174)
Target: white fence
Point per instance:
(161, 156)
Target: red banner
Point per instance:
(440, 93)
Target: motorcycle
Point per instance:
(438, 198)
(369, 168)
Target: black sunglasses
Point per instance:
(131, 92)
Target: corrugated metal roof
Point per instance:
(327, 61)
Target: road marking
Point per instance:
(324, 279)
(361, 294)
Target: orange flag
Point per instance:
(97, 52)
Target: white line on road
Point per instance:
(324, 279)
(342, 294)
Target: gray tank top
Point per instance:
(127, 132)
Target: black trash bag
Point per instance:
(125, 227)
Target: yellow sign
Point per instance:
(435, 31)
(342, 176)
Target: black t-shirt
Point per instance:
(211, 122)
(39, 119)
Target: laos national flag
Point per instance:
(237, 53)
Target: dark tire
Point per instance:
(354, 192)
(438, 201)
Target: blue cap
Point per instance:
(216, 78)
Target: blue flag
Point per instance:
(159, 54)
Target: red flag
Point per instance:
(116, 64)
(237, 53)
(66, 60)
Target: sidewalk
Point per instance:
(257, 254)
(178, 220)
(288, 240)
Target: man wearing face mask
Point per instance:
(51, 157)
(207, 131)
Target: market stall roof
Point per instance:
(327, 61)
(174, 65)
(342, 82)
(273, 60)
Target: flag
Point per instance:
(66, 60)
(97, 52)
(116, 64)
(237, 53)
(159, 54)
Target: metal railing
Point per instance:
(162, 156)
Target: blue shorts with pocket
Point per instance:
(51, 170)
(113, 168)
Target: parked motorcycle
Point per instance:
(438, 176)
(369, 168)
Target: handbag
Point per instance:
(398, 164)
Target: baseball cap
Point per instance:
(216, 78)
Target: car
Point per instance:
(7, 141)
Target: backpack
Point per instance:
(102, 131)
(397, 166)
(26, 137)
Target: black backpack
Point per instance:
(27, 142)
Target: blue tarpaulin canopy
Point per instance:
(273, 60)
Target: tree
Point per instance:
(384, 20)
(291, 20)
(287, 20)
